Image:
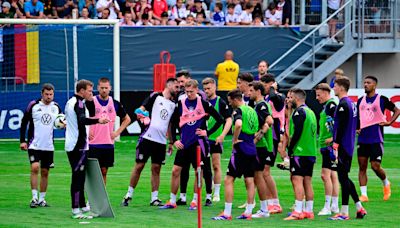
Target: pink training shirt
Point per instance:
(102, 132)
(371, 113)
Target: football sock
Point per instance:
(263, 205)
(228, 209)
(363, 190)
(154, 195)
(327, 201)
(385, 182)
(172, 198)
(216, 189)
(130, 191)
(42, 195)
(309, 205)
(34, 194)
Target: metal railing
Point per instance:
(15, 79)
(344, 10)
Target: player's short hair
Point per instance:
(247, 77)
(299, 93)
(231, 5)
(83, 84)
(235, 94)
(258, 86)
(265, 61)
(208, 80)
(170, 80)
(344, 82)
(248, 6)
(268, 78)
(323, 87)
(373, 78)
(219, 5)
(47, 86)
(104, 80)
(183, 73)
(192, 83)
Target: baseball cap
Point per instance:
(6, 4)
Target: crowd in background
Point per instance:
(157, 12)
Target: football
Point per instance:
(59, 122)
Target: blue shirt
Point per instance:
(34, 10)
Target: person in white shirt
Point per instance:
(273, 17)
(258, 21)
(238, 7)
(246, 17)
(144, 21)
(231, 18)
(77, 144)
(178, 13)
(153, 142)
(112, 5)
(127, 21)
(40, 115)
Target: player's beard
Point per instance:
(294, 106)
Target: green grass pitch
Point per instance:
(15, 194)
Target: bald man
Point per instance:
(227, 73)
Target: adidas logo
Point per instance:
(332, 105)
(293, 169)
(379, 158)
(268, 158)
(341, 109)
(263, 108)
(296, 114)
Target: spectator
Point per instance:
(49, 9)
(111, 5)
(142, 7)
(257, 21)
(338, 73)
(189, 21)
(333, 5)
(246, 16)
(262, 70)
(64, 8)
(200, 20)
(257, 10)
(34, 9)
(284, 7)
(128, 20)
(189, 4)
(171, 3)
(145, 21)
(105, 14)
(212, 5)
(238, 7)
(130, 7)
(5, 13)
(90, 5)
(218, 16)
(178, 13)
(227, 73)
(272, 16)
(164, 18)
(232, 19)
(198, 8)
(159, 6)
(17, 7)
(85, 13)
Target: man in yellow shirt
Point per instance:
(227, 73)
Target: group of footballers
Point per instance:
(263, 122)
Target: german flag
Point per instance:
(26, 54)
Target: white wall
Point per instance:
(386, 67)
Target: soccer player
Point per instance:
(216, 140)
(277, 102)
(101, 137)
(243, 158)
(152, 143)
(243, 81)
(302, 151)
(191, 115)
(371, 109)
(329, 167)
(76, 144)
(40, 115)
(264, 146)
(344, 134)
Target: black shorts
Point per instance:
(344, 161)
(46, 158)
(332, 11)
(372, 151)
(188, 155)
(328, 160)
(302, 165)
(105, 156)
(146, 148)
(264, 158)
(241, 164)
(215, 149)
